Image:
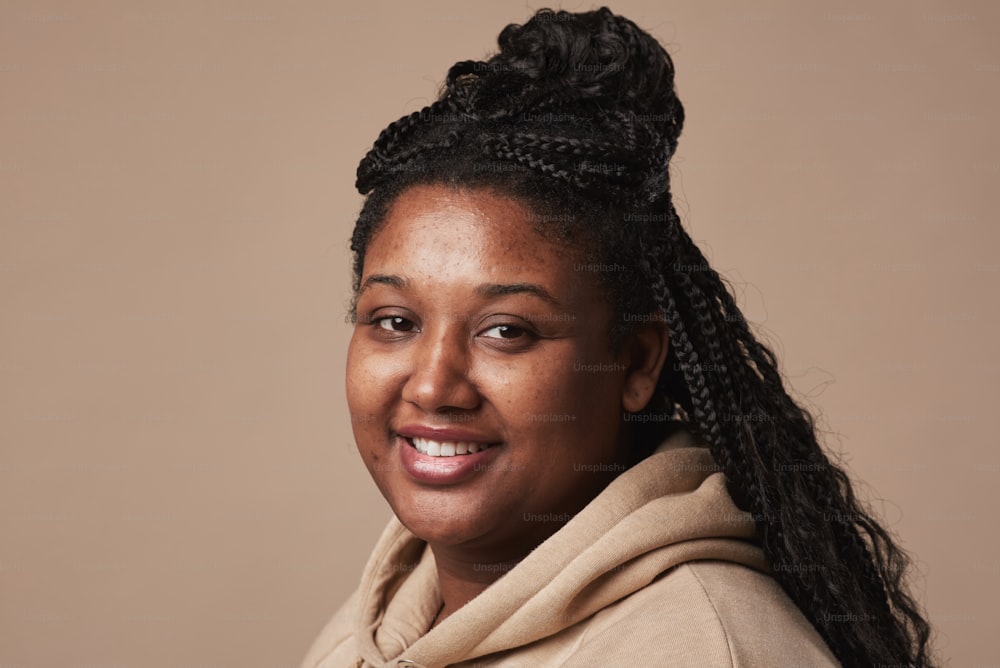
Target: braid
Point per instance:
(390, 152)
(702, 405)
(581, 162)
(598, 156)
(783, 441)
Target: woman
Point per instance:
(591, 459)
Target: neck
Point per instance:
(463, 576)
(464, 571)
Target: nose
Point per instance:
(438, 380)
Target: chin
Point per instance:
(440, 532)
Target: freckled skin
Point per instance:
(436, 351)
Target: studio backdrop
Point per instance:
(178, 480)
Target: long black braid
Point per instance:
(578, 117)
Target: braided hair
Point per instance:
(577, 116)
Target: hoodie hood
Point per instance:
(668, 509)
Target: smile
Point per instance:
(426, 446)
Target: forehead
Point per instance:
(437, 226)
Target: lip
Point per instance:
(443, 470)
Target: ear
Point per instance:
(647, 353)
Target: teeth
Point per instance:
(447, 448)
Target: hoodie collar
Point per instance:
(668, 509)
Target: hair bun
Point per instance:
(571, 62)
(587, 99)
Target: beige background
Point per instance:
(178, 484)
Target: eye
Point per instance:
(395, 323)
(504, 332)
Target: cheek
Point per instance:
(364, 397)
(366, 391)
(553, 393)
(368, 374)
(354, 382)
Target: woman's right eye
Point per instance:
(395, 323)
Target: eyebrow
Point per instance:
(486, 289)
(384, 279)
(501, 289)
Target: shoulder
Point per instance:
(335, 639)
(705, 613)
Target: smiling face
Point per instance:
(477, 335)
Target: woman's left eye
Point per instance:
(504, 332)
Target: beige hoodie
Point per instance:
(661, 569)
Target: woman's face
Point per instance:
(477, 335)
